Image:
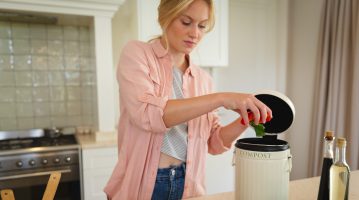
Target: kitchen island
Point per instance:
(303, 189)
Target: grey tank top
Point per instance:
(175, 140)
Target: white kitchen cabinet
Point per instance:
(97, 167)
(213, 49)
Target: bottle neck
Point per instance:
(340, 155)
(328, 149)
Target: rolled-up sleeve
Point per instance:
(137, 89)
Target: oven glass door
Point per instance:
(65, 191)
(31, 186)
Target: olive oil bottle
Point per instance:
(339, 173)
(323, 193)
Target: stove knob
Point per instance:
(68, 159)
(44, 161)
(57, 160)
(32, 162)
(19, 164)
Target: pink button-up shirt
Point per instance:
(145, 80)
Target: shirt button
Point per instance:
(188, 162)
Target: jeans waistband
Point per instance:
(176, 171)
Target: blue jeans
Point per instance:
(169, 183)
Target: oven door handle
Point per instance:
(64, 171)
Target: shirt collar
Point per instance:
(192, 69)
(160, 52)
(157, 47)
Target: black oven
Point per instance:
(31, 186)
(25, 168)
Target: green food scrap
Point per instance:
(259, 129)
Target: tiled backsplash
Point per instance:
(47, 76)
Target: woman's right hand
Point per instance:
(242, 103)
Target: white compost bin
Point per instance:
(263, 164)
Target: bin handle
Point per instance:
(289, 163)
(233, 158)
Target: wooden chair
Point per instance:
(49, 193)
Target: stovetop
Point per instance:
(22, 143)
(36, 150)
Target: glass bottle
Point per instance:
(323, 193)
(339, 173)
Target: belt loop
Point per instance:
(172, 174)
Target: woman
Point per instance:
(167, 119)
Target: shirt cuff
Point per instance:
(155, 111)
(216, 145)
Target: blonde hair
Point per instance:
(169, 10)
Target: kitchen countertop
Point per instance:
(97, 140)
(302, 189)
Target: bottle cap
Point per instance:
(329, 135)
(341, 142)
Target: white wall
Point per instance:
(303, 41)
(253, 36)
(255, 58)
(124, 29)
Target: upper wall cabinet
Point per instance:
(212, 50)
